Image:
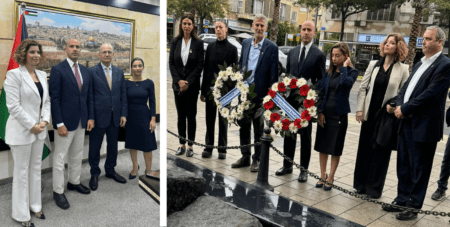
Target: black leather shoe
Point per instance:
(131, 177)
(244, 161)
(283, 171)
(222, 155)
(189, 152)
(180, 151)
(79, 188)
(27, 223)
(359, 191)
(39, 215)
(61, 201)
(438, 195)
(117, 178)
(303, 177)
(93, 183)
(255, 166)
(206, 154)
(390, 208)
(406, 215)
(372, 197)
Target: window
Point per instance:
(386, 14)
(335, 13)
(283, 12)
(240, 4)
(258, 6)
(294, 18)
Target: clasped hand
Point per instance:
(38, 128)
(183, 85)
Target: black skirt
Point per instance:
(331, 138)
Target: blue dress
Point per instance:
(138, 135)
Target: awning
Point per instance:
(241, 29)
(242, 35)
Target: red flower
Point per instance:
(285, 127)
(297, 123)
(286, 122)
(274, 117)
(293, 84)
(281, 87)
(272, 93)
(268, 105)
(304, 90)
(305, 115)
(308, 103)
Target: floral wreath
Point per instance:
(289, 87)
(230, 77)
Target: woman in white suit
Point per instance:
(376, 99)
(28, 104)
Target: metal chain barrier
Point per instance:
(214, 147)
(363, 197)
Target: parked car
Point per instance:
(285, 49)
(204, 35)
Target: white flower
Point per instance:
(243, 89)
(311, 94)
(243, 97)
(267, 114)
(230, 118)
(275, 87)
(312, 111)
(239, 116)
(301, 82)
(224, 112)
(246, 105)
(277, 125)
(233, 113)
(240, 109)
(266, 99)
(229, 71)
(217, 102)
(222, 75)
(233, 77)
(238, 76)
(304, 123)
(218, 84)
(216, 92)
(292, 128)
(286, 81)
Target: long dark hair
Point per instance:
(343, 47)
(193, 32)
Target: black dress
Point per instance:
(330, 139)
(138, 134)
(372, 164)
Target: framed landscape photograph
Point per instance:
(53, 27)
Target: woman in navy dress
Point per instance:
(141, 122)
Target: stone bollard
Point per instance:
(263, 174)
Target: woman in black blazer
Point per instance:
(186, 65)
(333, 110)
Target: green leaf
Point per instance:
(225, 65)
(252, 95)
(282, 133)
(251, 88)
(259, 112)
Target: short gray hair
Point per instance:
(106, 44)
(223, 21)
(260, 17)
(440, 34)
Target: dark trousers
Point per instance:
(414, 163)
(445, 169)
(305, 147)
(186, 105)
(371, 163)
(245, 134)
(95, 143)
(211, 111)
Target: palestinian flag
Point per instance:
(21, 35)
(31, 13)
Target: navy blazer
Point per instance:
(346, 80)
(105, 99)
(426, 104)
(69, 105)
(313, 66)
(194, 65)
(266, 72)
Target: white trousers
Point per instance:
(26, 190)
(72, 144)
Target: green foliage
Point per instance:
(284, 28)
(205, 9)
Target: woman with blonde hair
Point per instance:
(28, 104)
(376, 104)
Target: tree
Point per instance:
(346, 8)
(283, 29)
(276, 16)
(204, 9)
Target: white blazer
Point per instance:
(23, 102)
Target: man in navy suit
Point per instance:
(71, 106)
(308, 62)
(260, 56)
(420, 105)
(110, 112)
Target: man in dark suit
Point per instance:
(216, 54)
(260, 56)
(305, 61)
(71, 106)
(110, 112)
(420, 105)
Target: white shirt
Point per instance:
(71, 63)
(418, 74)
(185, 50)
(110, 70)
(308, 46)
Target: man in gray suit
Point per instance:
(305, 61)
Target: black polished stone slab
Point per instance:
(150, 186)
(271, 209)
